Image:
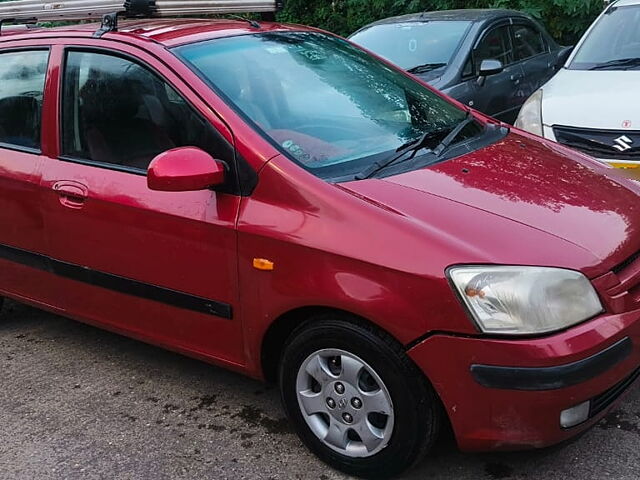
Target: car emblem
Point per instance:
(623, 143)
(342, 403)
(626, 124)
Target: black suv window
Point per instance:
(118, 113)
(496, 45)
(22, 77)
(528, 42)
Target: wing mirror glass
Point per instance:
(185, 169)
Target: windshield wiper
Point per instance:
(427, 67)
(446, 143)
(620, 62)
(415, 146)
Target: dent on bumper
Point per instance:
(485, 418)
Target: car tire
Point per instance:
(331, 365)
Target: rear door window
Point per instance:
(22, 79)
(528, 42)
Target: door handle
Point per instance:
(72, 194)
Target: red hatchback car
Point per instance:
(275, 200)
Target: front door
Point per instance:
(159, 266)
(497, 95)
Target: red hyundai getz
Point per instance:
(275, 200)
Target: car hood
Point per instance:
(515, 184)
(593, 99)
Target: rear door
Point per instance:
(532, 51)
(498, 95)
(159, 266)
(23, 265)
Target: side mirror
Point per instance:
(184, 169)
(563, 56)
(490, 67)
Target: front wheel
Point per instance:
(356, 399)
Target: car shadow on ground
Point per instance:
(58, 365)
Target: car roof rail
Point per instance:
(17, 22)
(32, 11)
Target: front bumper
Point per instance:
(502, 394)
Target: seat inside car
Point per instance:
(19, 121)
(116, 132)
(246, 92)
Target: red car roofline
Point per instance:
(166, 32)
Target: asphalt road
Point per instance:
(80, 403)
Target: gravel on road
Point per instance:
(77, 402)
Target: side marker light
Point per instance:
(263, 264)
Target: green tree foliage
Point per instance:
(566, 20)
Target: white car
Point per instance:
(593, 103)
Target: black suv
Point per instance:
(491, 60)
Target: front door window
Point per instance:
(119, 114)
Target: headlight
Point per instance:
(525, 300)
(530, 116)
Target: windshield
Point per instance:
(412, 44)
(327, 104)
(613, 43)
